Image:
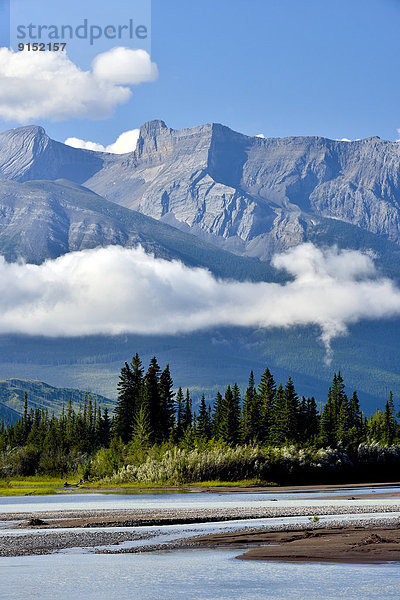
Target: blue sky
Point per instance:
(277, 67)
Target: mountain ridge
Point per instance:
(210, 197)
(41, 396)
(42, 220)
(249, 195)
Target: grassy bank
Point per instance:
(42, 486)
(31, 486)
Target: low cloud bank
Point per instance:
(48, 85)
(117, 290)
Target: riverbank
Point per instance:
(371, 543)
(365, 540)
(37, 486)
(145, 529)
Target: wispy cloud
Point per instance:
(48, 85)
(114, 290)
(126, 142)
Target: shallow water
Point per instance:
(190, 575)
(195, 574)
(113, 501)
(189, 530)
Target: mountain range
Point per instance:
(252, 196)
(209, 197)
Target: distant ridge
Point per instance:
(42, 396)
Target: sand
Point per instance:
(371, 544)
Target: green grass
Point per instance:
(43, 486)
(4, 491)
(39, 481)
(32, 486)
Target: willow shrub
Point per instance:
(179, 466)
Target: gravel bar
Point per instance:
(41, 541)
(192, 515)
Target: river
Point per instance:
(188, 574)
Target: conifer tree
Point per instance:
(179, 401)
(328, 423)
(389, 421)
(203, 425)
(129, 396)
(141, 428)
(291, 412)
(89, 418)
(278, 425)
(232, 414)
(250, 430)
(219, 422)
(187, 412)
(343, 432)
(265, 406)
(167, 403)
(25, 413)
(153, 399)
(105, 429)
(313, 419)
(356, 420)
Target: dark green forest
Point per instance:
(155, 435)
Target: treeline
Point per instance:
(43, 443)
(150, 412)
(150, 415)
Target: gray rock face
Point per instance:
(249, 195)
(252, 195)
(46, 219)
(27, 153)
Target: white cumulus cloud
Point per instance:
(78, 143)
(48, 85)
(124, 66)
(114, 290)
(126, 142)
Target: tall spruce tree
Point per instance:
(278, 425)
(129, 397)
(328, 423)
(250, 429)
(153, 400)
(356, 420)
(179, 403)
(187, 412)
(291, 412)
(203, 425)
(167, 404)
(389, 421)
(313, 420)
(232, 407)
(266, 392)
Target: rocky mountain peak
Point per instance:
(149, 138)
(30, 138)
(152, 128)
